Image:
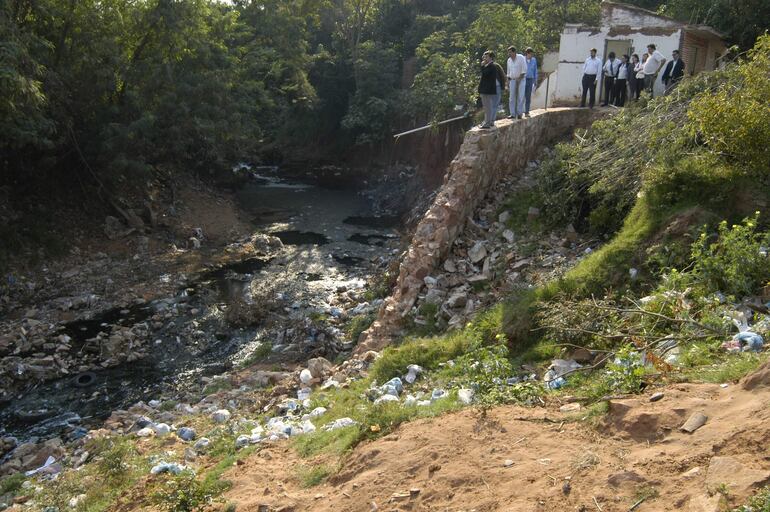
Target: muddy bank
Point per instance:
(109, 331)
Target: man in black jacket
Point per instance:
(488, 89)
(674, 71)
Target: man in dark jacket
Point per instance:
(488, 89)
(674, 71)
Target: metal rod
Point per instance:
(464, 116)
(547, 84)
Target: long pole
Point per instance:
(547, 84)
(464, 116)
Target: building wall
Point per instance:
(619, 23)
(626, 15)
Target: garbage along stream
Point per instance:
(332, 243)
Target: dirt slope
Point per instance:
(462, 462)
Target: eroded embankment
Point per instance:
(483, 159)
(515, 458)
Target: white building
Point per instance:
(625, 29)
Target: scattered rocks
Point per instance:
(221, 416)
(477, 253)
(739, 478)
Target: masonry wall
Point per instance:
(483, 158)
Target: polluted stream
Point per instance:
(333, 242)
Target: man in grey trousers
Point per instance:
(488, 89)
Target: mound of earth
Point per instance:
(515, 459)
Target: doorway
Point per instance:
(620, 47)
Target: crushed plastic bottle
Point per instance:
(556, 383)
(167, 467)
(438, 394)
(466, 396)
(413, 371)
(339, 423)
(387, 397)
(745, 342)
(393, 384)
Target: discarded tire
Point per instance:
(85, 379)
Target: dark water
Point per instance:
(294, 237)
(330, 235)
(378, 240)
(374, 221)
(174, 365)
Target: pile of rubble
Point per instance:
(488, 259)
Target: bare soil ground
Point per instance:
(519, 459)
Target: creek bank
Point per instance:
(495, 257)
(484, 158)
(161, 323)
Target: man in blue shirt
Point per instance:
(531, 79)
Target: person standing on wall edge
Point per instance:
(488, 89)
(621, 82)
(591, 69)
(502, 80)
(517, 71)
(610, 74)
(652, 67)
(674, 71)
(531, 79)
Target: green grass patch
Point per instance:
(727, 368)
(426, 352)
(217, 386)
(263, 350)
(336, 442)
(760, 502)
(118, 466)
(608, 267)
(374, 421)
(11, 484)
(168, 405)
(359, 324)
(310, 476)
(518, 204)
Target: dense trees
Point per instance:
(113, 90)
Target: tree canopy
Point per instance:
(114, 90)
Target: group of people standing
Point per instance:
(626, 78)
(623, 78)
(519, 77)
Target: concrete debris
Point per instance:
(694, 422)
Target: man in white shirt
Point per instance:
(652, 67)
(610, 71)
(591, 70)
(517, 71)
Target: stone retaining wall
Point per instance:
(484, 157)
